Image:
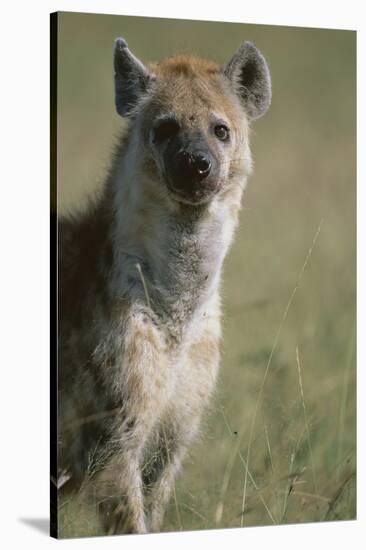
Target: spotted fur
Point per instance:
(139, 286)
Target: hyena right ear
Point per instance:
(249, 75)
(131, 78)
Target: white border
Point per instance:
(24, 287)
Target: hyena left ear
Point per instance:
(250, 78)
(131, 78)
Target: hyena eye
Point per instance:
(222, 132)
(165, 129)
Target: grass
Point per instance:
(279, 443)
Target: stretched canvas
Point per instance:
(203, 261)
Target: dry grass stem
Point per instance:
(306, 420)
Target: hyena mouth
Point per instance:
(192, 194)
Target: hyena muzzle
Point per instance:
(139, 275)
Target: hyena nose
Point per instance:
(197, 165)
(202, 165)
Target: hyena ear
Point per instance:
(250, 78)
(131, 78)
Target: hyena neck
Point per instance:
(170, 256)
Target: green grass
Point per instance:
(279, 443)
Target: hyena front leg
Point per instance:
(181, 421)
(145, 386)
(123, 509)
(174, 443)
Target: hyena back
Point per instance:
(139, 276)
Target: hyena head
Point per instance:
(191, 119)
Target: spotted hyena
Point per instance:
(139, 280)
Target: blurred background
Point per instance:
(279, 444)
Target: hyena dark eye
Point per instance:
(222, 132)
(165, 129)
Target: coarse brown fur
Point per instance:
(139, 281)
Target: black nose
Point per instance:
(197, 165)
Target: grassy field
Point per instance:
(279, 444)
